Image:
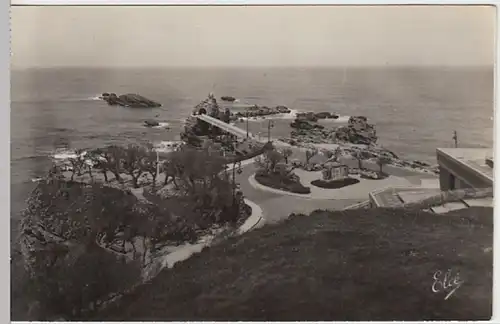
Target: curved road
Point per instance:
(277, 207)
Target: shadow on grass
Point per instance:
(363, 265)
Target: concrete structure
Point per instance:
(335, 171)
(461, 168)
(236, 131)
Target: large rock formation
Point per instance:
(228, 98)
(208, 106)
(357, 131)
(312, 116)
(262, 111)
(151, 123)
(129, 100)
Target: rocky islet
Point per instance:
(131, 100)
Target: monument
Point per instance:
(335, 171)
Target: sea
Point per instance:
(415, 110)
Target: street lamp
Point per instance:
(455, 138)
(235, 163)
(269, 126)
(247, 120)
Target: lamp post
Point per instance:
(455, 138)
(269, 126)
(247, 121)
(235, 163)
(157, 163)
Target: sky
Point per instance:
(252, 36)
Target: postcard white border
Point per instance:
(5, 110)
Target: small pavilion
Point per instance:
(335, 171)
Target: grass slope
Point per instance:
(373, 264)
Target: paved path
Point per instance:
(277, 207)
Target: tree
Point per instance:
(100, 158)
(151, 164)
(114, 156)
(359, 156)
(286, 153)
(169, 171)
(273, 157)
(337, 154)
(328, 154)
(133, 162)
(310, 153)
(381, 161)
(78, 279)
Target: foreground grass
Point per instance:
(373, 264)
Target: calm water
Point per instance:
(415, 110)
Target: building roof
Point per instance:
(472, 158)
(399, 196)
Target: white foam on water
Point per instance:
(65, 154)
(36, 179)
(161, 125)
(341, 120)
(291, 115)
(166, 146)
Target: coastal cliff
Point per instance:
(102, 217)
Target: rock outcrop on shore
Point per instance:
(228, 98)
(262, 111)
(151, 123)
(357, 131)
(313, 117)
(129, 100)
(357, 136)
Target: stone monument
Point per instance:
(335, 171)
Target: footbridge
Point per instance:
(236, 131)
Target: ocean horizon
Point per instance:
(415, 110)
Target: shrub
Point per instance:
(334, 184)
(278, 181)
(372, 175)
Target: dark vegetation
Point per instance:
(275, 174)
(67, 223)
(375, 264)
(334, 184)
(276, 181)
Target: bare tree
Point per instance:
(273, 157)
(359, 156)
(337, 154)
(151, 165)
(114, 156)
(381, 161)
(100, 159)
(77, 163)
(310, 153)
(286, 153)
(133, 162)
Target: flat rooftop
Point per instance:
(398, 197)
(473, 158)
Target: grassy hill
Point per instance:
(373, 264)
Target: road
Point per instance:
(278, 207)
